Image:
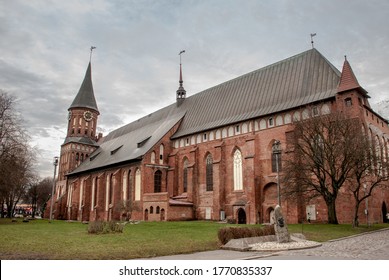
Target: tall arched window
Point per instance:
(238, 173)
(152, 159)
(124, 185)
(157, 181)
(129, 186)
(185, 175)
(137, 184)
(209, 173)
(94, 192)
(110, 196)
(161, 154)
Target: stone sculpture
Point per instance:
(280, 226)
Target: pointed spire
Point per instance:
(85, 97)
(348, 81)
(181, 92)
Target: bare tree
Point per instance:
(126, 207)
(321, 159)
(369, 173)
(38, 194)
(16, 156)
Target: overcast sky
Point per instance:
(44, 52)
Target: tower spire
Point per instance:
(181, 92)
(348, 81)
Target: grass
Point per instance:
(40, 239)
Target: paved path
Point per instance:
(367, 246)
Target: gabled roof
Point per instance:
(85, 97)
(348, 81)
(300, 80)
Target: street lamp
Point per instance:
(276, 148)
(55, 163)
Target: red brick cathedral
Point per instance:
(209, 156)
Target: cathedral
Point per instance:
(209, 156)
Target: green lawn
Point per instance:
(40, 239)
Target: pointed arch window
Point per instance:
(152, 157)
(110, 192)
(157, 181)
(94, 191)
(129, 186)
(209, 173)
(185, 175)
(238, 171)
(137, 184)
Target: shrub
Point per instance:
(227, 233)
(97, 227)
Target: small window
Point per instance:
(271, 122)
(204, 136)
(348, 102)
(237, 129)
(315, 111)
(151, 209)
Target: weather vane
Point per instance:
(91, 49)
(312, 35)
(181, 52)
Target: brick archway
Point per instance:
(269, 201)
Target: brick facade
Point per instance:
(182, 163)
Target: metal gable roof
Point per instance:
(296, 81)
(130, 145)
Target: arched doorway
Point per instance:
(270, 215)
(241, 216)
(384, 213)
(146, 215)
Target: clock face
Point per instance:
(88, 116)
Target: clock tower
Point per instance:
(81, 138)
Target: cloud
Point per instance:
(44, 51)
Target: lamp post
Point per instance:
(55, 163)
(276, 148)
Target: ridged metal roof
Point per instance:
(302, 79)
(128, 146)
(296, 81)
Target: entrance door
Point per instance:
(384, 213)
(241, 216)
